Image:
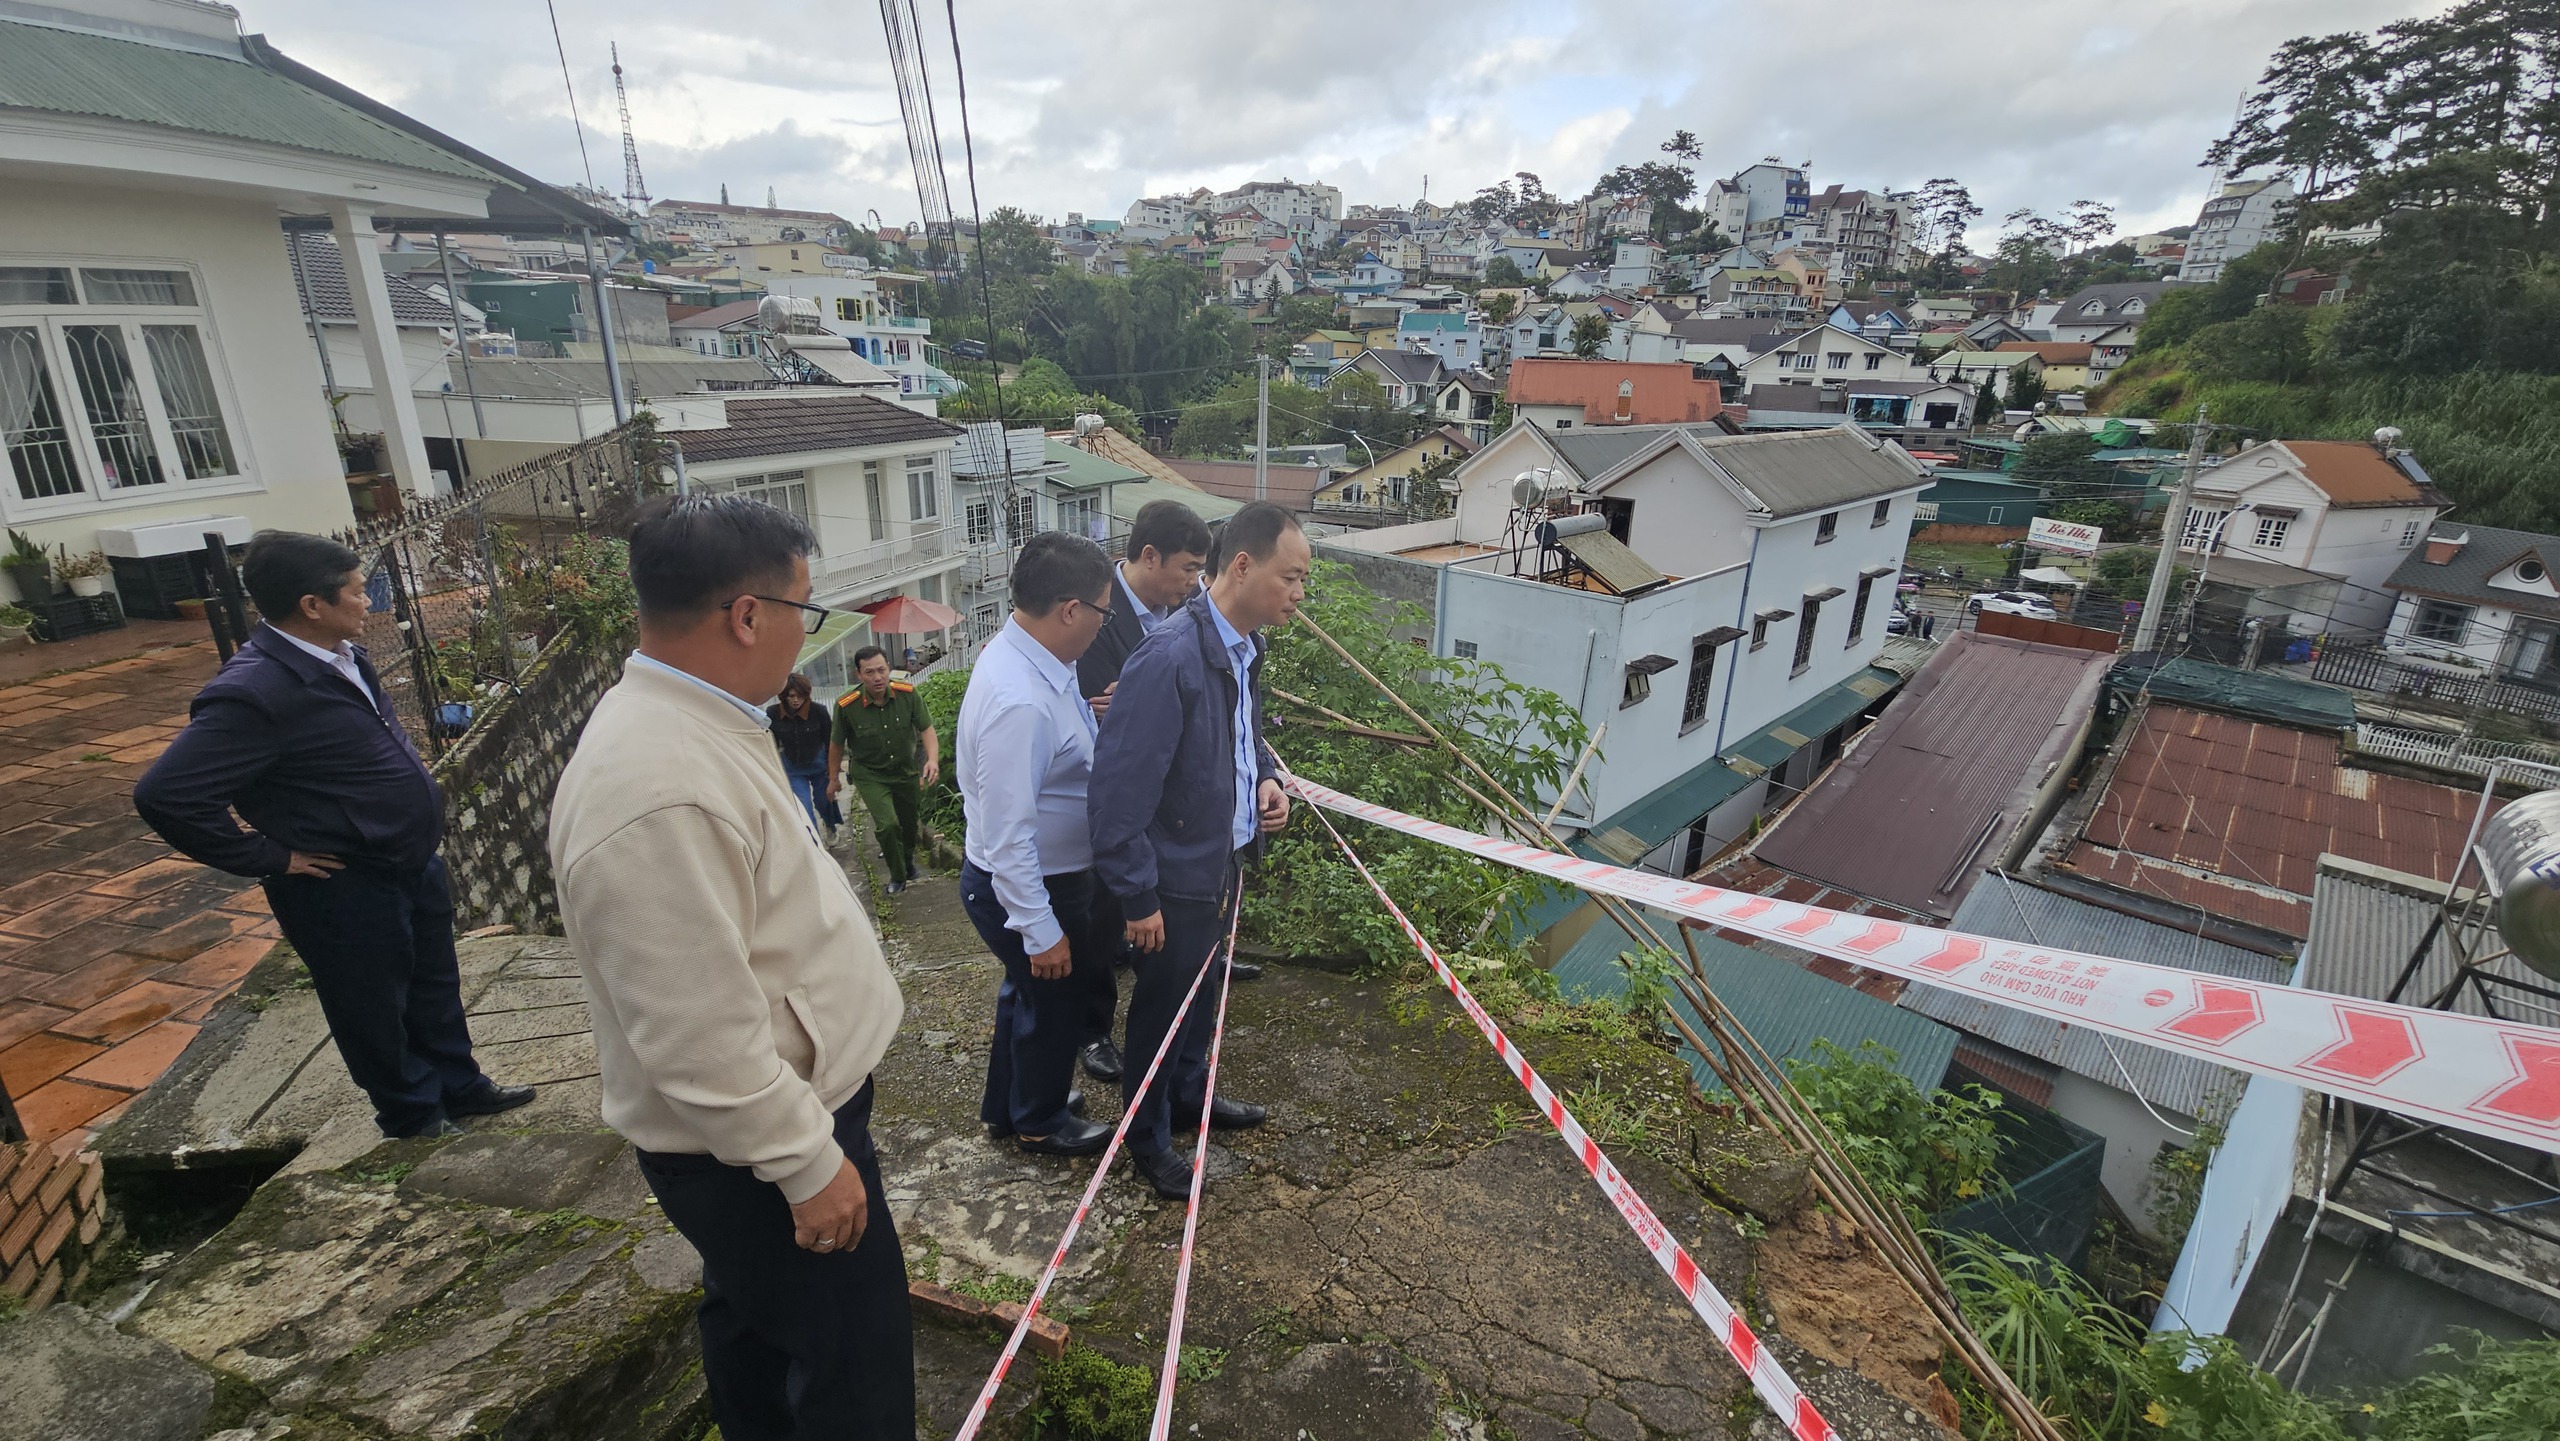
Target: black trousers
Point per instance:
(379, 945)
(1193, 931)
(797, 1345)
(1041, 1025)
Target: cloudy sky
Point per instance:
(1085, 106)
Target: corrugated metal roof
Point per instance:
(2036, 916)
(2365, 923)
(1607, 557)
(1935, 792)
(1785, 1007)
(1802, 472)
(514, 378)
(67, 72)
(1085, 471)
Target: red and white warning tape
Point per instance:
(1013, 1343)
(2491, 1077)
(1775, 1387)
(1172, 1367)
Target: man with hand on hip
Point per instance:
(296, 735)
(737, 988)
(1024, 755)
(885, 745)
(1183, 789)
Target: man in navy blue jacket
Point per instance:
(297, 736)
(1183, 789)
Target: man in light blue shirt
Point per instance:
(1024, 755)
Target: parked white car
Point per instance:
(2012, 602)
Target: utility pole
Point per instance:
(2146, 634)
(1262, 428)
(604, 332)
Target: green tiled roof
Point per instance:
(1785, 1007)
(66, 72)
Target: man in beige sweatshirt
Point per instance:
(739, 995)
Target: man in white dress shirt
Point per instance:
(1024, 752)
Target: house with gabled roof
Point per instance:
(1560, 394)
(1726, 596)
(2482, 598)
(1411, 378)
(2094, 310)
(2283, 513)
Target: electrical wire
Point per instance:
(2130, 1084)
(563, 51)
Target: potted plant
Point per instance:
(85, 574)
(30, 567)
(15, 622)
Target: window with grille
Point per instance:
(1826, 528)
(2271, 531)
(2203, 529)
(982, 522)
(2441, 622)
(1804, 636)
(1858, 612)
(875, 500)
(1884, 512)
(783, 490)
(1702, 677)
(1022, 516)
(2409, 535)
(107, 384)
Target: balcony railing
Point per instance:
(905, 322)
(881, 560)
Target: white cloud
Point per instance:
(1087, 106)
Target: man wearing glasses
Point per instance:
(1024, 751)
(881, 730)
(736, 985)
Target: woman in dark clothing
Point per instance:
(800, 733)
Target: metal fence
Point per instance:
(2371, 668)
(2469, 754)
(468, 590)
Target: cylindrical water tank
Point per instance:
(1550, 531)
(2520, 853)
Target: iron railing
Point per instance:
(2371, 668)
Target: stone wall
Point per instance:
(498, 783)
(52, 1211)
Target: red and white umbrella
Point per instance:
(906, 615)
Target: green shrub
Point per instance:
(2494, 1391)
(1087, 1396)
(1929, 1152)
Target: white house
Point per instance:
(154, 364)
(2098, 309)
(2481, 597)
(1634, 264)
(2246, 215)
(2340, 510)
(1827, 353)
(872, 311)
(1724, 585)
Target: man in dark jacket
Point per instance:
(1183, 789)
(297, 735)
(1168, 548)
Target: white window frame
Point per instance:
(2272, 530)
(2203, 530)
(49, 322)
(924, 501)
(2409, 534)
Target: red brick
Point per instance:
(57, 1188)
(251, 902)
(8, 1162)
(219, 968)
(34, 1164)
(187, 937)
(134, 736)
(35, 891)
(144, 879)
(39, 1058)
(93, 1180)
(139, 1061)
(48, 1286)
(91, 1224)
(56, 1231)
(21, 1279)
(64, 1107)
(117, 859)
(21, 1019)
(21, 1234)
(94, 982)
(61, 915)
(129, 1011)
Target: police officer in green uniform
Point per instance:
(880, 727)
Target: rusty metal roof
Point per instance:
(1936, 792)
(2233, 815)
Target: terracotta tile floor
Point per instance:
(111, 948)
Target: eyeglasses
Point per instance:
(1098, 608)
(811, 616)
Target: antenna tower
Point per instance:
(635, 191)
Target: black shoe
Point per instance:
(1102, 1061)
(1226, 1115)
(1075, 1102)
(1166, 1171)
(1003, 1130)
(896, 887)
(1246, 970)
(1074, 1138)
(488, 1101)
(914, 871)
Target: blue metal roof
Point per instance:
(1785, 1007)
